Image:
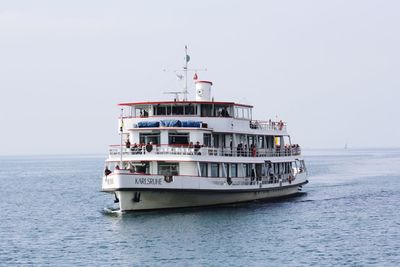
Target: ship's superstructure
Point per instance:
(186, 153)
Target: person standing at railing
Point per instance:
(197, 147)
(239, 149)
(149, 147)
(107, 171)
(134, 148)
(253, 150)
(128, 144)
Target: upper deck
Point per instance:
(189, 108)
(216, 116)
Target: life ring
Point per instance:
(168, 178)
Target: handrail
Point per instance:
(268, 125)
(205, 151)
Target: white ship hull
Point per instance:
(187, 192)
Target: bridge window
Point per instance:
(243, 113)
(190, 110)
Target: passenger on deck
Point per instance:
(239, 149)
(197, 147)
(128, 144)
(134, 148)
(149, 147)
(117, 167)
(224, 113)
(107, 171)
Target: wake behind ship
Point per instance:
(190, 153)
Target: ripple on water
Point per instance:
(53, 214)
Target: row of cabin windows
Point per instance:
(173, 138)
(232, 169)
(206, 110)
(184, 139)
(175, 110)
(172, 168)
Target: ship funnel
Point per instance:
(203, 90)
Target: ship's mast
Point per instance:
(185, 69)
(121, 129)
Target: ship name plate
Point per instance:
(148, 180)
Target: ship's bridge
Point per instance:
(189, 108)
(218, 116)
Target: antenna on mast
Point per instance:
(180, 77)
(185, 69)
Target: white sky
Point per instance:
(329, 68)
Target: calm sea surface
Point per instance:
(52, 213)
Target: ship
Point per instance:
(182, 153)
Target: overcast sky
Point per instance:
(329, 68)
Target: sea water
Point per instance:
(53, 213)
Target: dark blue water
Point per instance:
(52, 213)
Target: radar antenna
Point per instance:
(175, 93)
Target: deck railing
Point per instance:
(205, 151)
(268, 125)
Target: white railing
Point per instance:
(205, 151)
(268, 125)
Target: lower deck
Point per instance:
(146, 197)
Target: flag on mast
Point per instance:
(187, 58)
(121, 127)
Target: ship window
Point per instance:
(178, 138)
(226, 170)
(160, 110)
(214, 169)
(222, 111)
(247, 169)
(203, 169)
(177, 110)
(234, 170)
(145, 138)
(143, 167)
(207, 140)
(206, 110)
(190, 110)
(168, 168)
(142, 111)
(216, 140)
(261, 142)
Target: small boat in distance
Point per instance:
(200, 152)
